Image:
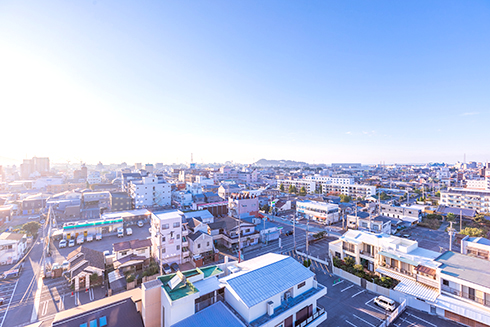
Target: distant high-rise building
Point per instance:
(81, 173)
(149, 168)
(29, 166)
(138, 165)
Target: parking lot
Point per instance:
(435, 240)
(7, 288)
(414, 318)
(58, 255)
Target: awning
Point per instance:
(410, 286)
(426, 270)
(399, 258)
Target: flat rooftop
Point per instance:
(471, 269)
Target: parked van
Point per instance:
(80, 239)
(129, 231)
(90, 238)
(98, 236)
(120, 232)
(385, 303)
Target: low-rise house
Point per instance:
(270, 290)
(225, 232)
(410, 214)
(201, 245)
(476, 246)
(241, 205)
(84, 262)
(12, 247)
(204, 215)
(134, 254)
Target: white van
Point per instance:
(385, 303)
(120, 232)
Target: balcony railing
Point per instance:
(400, 270)
(319, 313)
(427, 281)
(366, 253)
(466, 295)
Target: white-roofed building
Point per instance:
(270, 290)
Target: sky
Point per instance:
(314, 81)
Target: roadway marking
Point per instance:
(357, 293)
(367, 322)
(91, 294)
(76, 298)
(7, 310)
(45, 308)
(347, 321)
(410, 323)
(37, 297)
(345, 289)
(427, 322)
(62, 302)
(369, 301)
(376, 308)
(338, 283)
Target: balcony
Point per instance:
(465, 295)
(320, 313)
(366, 253)
(427, 281)
(399, 270)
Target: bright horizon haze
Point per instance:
(316, 81)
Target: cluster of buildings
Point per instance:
(450, 284)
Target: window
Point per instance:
(163, 239)
(208, 244)
(93, 323)
(198, 246)
(301, 285)
(176, 225)
(163, 249)
(178, 247)
(165, 226)
(445, 282)
(103, 321)
(178, 236)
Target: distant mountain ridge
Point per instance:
(279, 163)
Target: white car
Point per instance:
(120, 232)
(65, 265)
(62, 244)
(129, 231)
(385, 303)
(71, 243)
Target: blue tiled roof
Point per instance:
(216, 315)
(261, 284)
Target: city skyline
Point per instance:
(318, 82)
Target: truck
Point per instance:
(90, 238)
(120, 232)
(98, 236)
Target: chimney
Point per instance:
(270, 308)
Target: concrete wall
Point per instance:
(151, 306)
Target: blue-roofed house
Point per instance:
(269, 290)
(476, 246)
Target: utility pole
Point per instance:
(307, 225)
(294, 231)
(460, 220)
(239, 236)
(451, 232)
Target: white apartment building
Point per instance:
(94, 177)
(481, 183)
(309, 185)
(476, 246)
(341, 179)
(410, 214)
(182, 197)
(352, 190)
(467, 199)
(268, 291)
(452, 285)
(169, 241)
(326, 213)
(149, 191)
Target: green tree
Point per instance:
(384, 196)
(345, 198)
(281, 187)
(302, 191)
(291, 188)
(320, 189)
(32, 228)
(450, 216)
(473, 232)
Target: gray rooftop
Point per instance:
(465, 267)
(261, 284)
(216, 315)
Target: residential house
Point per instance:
(409, 214)
(225, 232)
(241, 205)
(134, 254)
(202, 249)
(12, 247)
(167, 231)
(204, 215)
(476, 246)
(225, 190)
(85, 262)
(270, 290)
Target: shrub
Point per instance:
(349, 261)
(130, 278)
(307, 263)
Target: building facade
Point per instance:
(150, 191)
(167, 242)
(325, 213)
(467, 199)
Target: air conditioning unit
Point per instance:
(287, 295)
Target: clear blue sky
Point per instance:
(317, 81)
